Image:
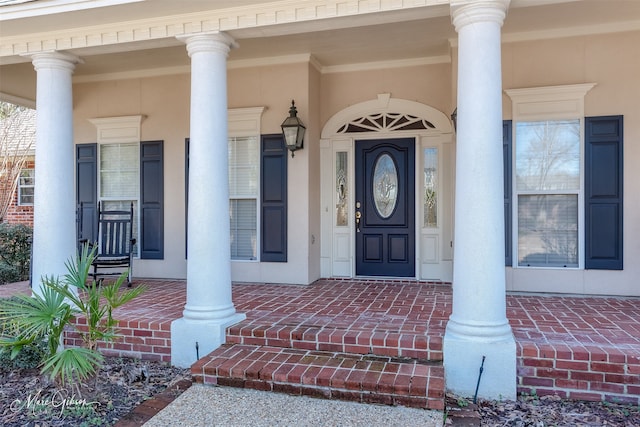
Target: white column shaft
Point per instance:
(478, 332)
(54, 234)
(209, 309)
(209, 267)
(479, 274)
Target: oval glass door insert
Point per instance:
(385, 185)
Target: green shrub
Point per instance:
(29, 356)
(15, 251)
(9, 273)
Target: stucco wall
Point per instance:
(164, 103)
(607, 60)
(427, 84)
(19, 80)
(274, 87)
(611, 62)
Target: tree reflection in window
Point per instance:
(547, 173)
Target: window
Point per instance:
(430, 188)
(244, 165)
(118, 170)
(342, 189)
(26, 182)
(150, 215)
(245, 206)
(119, 179)
(546, 200)
(547, 178)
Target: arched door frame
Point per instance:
(381, 118)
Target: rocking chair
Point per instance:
(115, 242)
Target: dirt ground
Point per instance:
(547, 411)
(28, 398)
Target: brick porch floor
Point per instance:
(577, 347)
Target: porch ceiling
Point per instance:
(408, 34)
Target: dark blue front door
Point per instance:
(385, 207)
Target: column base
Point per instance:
(209, 334)
(462, 361)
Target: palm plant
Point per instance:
(94, 301)
(47, 315)
(28, 319)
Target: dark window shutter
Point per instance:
(87, 191)
(603, 192)
(151, 200)
(506, 157)
(273, 199)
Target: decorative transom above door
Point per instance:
(389, 194)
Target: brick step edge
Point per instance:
(406, 344)
(150, 407)
(343, 376)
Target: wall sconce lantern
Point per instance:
(454, 119)
(293, 130)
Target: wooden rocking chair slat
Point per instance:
(116, 243)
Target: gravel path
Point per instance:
(233, 407)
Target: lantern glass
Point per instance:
(293, 130)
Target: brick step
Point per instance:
(392, 344)
(330, 375)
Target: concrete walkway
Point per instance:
(233, 407)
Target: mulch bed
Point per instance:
(553, 411)
(127, 392)
(28, 398)
(545, 411)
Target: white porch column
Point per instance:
(54, 226)
(478, 325)
(209, 309)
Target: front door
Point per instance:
(385, 207)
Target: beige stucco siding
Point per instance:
(606, 61)
(164, 103)
(274, 87)
(427, 84)
(19, 80)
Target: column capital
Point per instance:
(54, 59)
(208, 42)
(465, 12)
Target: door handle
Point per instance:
(358, 216)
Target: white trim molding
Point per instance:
(538, 103)
(260, 18)
(244, 121)
(385, 103)
(118, 129)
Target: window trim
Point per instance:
(242, 123)
(119, 130)
(22, 186)
(548, 104)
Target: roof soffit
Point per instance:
(263, 19)
(335, 35)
